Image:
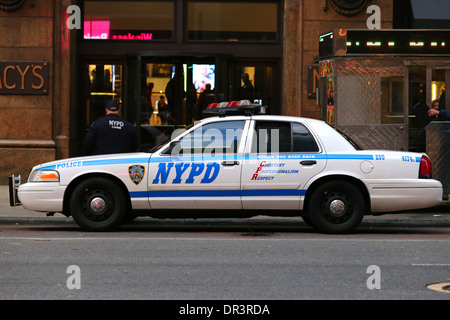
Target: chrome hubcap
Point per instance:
(97, 205)
(337, 208)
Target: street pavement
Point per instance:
(437, 215)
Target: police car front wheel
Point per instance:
(336, 207)
(98, 204)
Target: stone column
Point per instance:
(292, 57)
(63, 54)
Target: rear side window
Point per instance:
(281, 137)
(302, 139)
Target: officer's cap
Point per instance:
(112, 105)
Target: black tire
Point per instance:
(336, 207)
(98, 204)
(308, 221)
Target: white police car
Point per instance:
(242, 165)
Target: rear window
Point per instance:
(283, 136)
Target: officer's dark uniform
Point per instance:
(111, 134)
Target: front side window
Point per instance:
(211, 139)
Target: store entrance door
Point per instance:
(160, 93)
(168, 93)
(101, 80)
(426, 85)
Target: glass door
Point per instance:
(155, 79)
(437, 91)
(160, 93)
(255, 82)
(105, 83)
(102, 80)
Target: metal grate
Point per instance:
(358, 100)
(391, 137)
(438, 149)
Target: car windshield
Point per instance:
(173, 136)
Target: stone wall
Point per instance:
(34, 128)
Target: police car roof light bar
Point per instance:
(234, 107)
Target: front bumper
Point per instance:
(41, 196)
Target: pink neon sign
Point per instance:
(96, 29)
(100, 30)
(130, 36)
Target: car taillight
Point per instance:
(425, 168)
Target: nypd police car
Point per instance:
(238, 163)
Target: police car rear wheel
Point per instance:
(336, 207)
(98, 204)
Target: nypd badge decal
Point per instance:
(136, 173)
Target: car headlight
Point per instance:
(44, 175)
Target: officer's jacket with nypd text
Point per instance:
(111, 134)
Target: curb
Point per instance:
(43, 220)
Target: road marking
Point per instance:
(431, 264)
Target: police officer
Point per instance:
(111, 134)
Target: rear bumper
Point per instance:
(404, 194)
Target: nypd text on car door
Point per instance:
(200, 168)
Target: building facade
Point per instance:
(61, 60)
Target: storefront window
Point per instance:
(392, 100)
(255, 85)
(232, 21)
(437, 88)
(128, 20)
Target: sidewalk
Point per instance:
(10, 214)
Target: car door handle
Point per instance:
(230, 163)
(308, 162)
